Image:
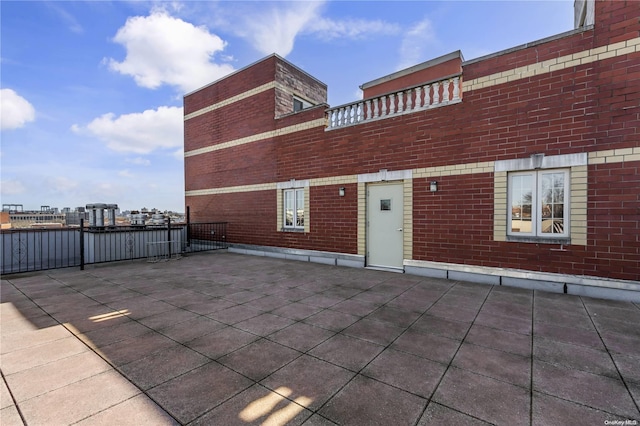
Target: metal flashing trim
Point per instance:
(528, 275)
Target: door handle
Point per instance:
(399, 229)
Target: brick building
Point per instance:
(518, 168)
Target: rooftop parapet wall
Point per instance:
(290, 82)
(237, 83)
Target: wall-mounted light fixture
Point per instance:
(433, 186)
(341, 191)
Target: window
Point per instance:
(539, 204)
(293, 209)
(299, 104)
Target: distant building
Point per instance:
(517, 168)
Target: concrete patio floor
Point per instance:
(226, 339)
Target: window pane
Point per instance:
(300, 208)
(552, 203)
(288, 208)
(521, 203)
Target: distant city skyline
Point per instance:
(92, 92)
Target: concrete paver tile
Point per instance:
(264, 324)
(257, 406)
(108, 335)
(191, 329)
(607, 324)
(488, 399)
(209, 306)
(374, 331)
(243, 296)
(515, 343)
(595, 391)
(520, 311)
(9, 416)
(235, 314)
(437, 414)
(629, 366)
(355, 307)
(189, 396)
(5, 396)
(441, 326)
(621, 343)
(31, 338)
(309, 380)
(332, 320)
(301, 336)
(581, 358)
(322, 301)
(39, 380)
(162, 366)
(30, 357)
(549, 410)
(373, 297)
(134, 348)
(427, 345)
(259, 359)
(573, 335)
(139, 410)
(267, 303)
(347, 352)
(366, 401)
(318, 420)
(24, 324)
(394, 316)
(413, 301)
(297, 294)
(78, 400)
(514, 369)
(542, 313)
(405, 371)
(169, 318)
(222, 342)
(296, 311)
(501, 322)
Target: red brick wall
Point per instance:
(590, 107)
(252, 220)
(255, 75)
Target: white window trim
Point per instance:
(294, 192)
(536, 217)
(292, 184)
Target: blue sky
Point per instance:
(92, 91)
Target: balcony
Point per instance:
(422, 97)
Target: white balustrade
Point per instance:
(405, 101)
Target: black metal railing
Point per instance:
(206, 236)
(26, 250)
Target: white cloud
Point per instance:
(140, 133)
(16, 111)
(329, 29)
(162, 49)
(125, 173)
(138, 161)
(415, 42)
(69, 19)
(275, 30)
(12, 187)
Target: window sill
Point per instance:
(538, 240)
(294, 230)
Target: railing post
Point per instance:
(82, 244)
(169, 237)
(188, 227)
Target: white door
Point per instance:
(384, 225)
